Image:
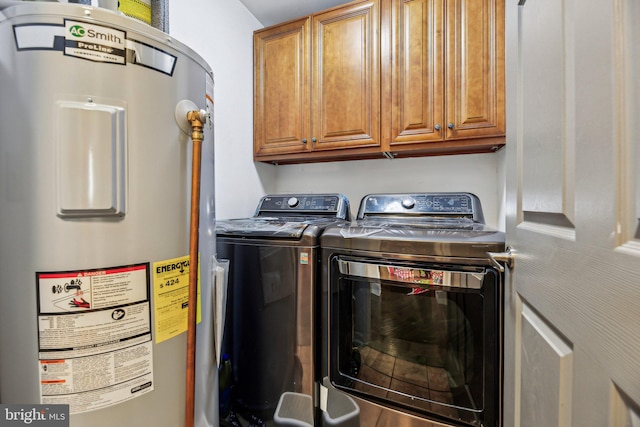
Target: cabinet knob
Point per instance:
(304, 141)
(450, 125)
(313, 139)
(437, 127)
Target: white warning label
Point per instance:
(94, 336)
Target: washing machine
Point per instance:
(412, 311)
(269, 337)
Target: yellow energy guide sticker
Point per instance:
(171, 297)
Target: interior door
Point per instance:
(572, 322)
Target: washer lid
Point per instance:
(274, 227)
(261, 227)
(289, 216)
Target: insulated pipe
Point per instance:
(196, 119)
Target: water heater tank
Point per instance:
(95, 179)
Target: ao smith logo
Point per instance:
(79, 31)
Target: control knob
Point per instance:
(408, 203)
(293, 202)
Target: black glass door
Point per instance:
(420, 337)
(260, 334)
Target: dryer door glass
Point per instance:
(420, 337)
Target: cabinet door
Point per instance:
(416, 72)
(474, 66)
(281, 91)
(346, 86)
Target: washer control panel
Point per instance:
(308, 204)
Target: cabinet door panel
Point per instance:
(346, 87)
(281, 89)
(475, 69)
(416, 71)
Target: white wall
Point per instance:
(221, 31)
(476, 173)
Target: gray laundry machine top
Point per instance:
(418, 224)
(288, 216)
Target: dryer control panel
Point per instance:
(460, 205)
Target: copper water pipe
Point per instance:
(196, 120)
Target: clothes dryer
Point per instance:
(412, 311)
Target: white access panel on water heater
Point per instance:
(95, 180)
(91, 175)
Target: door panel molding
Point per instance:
(549, 218)
(546, 136)
(546, 371)
(627, 117)
(623, 411)
(550, 230)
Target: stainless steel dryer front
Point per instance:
(412, 303)
(270, 324)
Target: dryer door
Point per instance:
(424, 338)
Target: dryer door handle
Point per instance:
(508, 257)
(412, 276)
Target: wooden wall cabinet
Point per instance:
(317, 86)
(281, 89)
(445, 78)
(393, 78)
